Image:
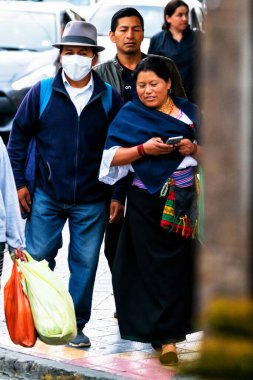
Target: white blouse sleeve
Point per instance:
(111, 174)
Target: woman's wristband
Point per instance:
(194, 149)
(140, 150)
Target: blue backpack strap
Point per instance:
(45, 93)
(107, 98)
(31, 162)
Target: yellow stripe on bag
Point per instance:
(168, 210)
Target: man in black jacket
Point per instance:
(127, 32)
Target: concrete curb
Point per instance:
(15, 365)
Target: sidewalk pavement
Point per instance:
(109, 356)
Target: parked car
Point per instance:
(83, 7)
(27, 32)
(151, 11)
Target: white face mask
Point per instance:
(75, 66)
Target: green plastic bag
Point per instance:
(51, 304)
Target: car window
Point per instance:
(69, 15)
(153, 18)
(193, 19)
(74, 16)
(79, 2)
(198, 18)
(17, 30)
(75, 2)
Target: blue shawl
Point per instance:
(135, 124)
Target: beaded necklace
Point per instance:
(167, 107)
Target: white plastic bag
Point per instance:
(51, 304)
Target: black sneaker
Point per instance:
(80, 340)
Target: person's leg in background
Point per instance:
(112, 233)
(112, 230)
(87, 227)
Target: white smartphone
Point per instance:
(174, 140)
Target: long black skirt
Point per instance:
(153, 273)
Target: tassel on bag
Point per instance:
(171, 222)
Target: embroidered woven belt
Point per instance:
(184, 177)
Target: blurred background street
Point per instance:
(26, 58)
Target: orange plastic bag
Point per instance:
(18, 312)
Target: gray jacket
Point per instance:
(11, 223)
(111, 72)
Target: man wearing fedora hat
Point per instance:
(70, 136)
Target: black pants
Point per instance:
(112, 233)
(112, 230)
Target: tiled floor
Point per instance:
(108, 352)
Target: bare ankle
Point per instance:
(169, 347)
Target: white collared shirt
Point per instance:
(79, 96)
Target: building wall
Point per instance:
(225, 263)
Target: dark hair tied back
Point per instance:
(170, 9)
(155, 64)
(165, 69)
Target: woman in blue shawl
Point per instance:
(153, 269)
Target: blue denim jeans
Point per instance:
(86, 227)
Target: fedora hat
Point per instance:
(79, 33)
